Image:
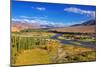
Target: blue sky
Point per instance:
(55, 14)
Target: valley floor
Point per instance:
(35, 48)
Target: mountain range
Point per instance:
(85, 26)
(86, 23)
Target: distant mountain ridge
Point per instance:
(24, 25)
(87, 23)
(85, 27)
(88, 26)
(17, 26)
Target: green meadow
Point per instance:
(38, 47)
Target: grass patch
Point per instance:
(38, 48)
(33, 56)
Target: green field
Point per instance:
(37, 47)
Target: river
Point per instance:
(72, 42)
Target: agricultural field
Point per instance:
(43, 47)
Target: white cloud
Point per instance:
(24, 20)
(41, 8)
(26, 17)
(42, 22)
(80, 11)
(30, 17)
(14, 19)
(32, 20)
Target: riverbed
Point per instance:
(73, 42)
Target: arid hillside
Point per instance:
(17, 26)
(80, 29)
(85, 27)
